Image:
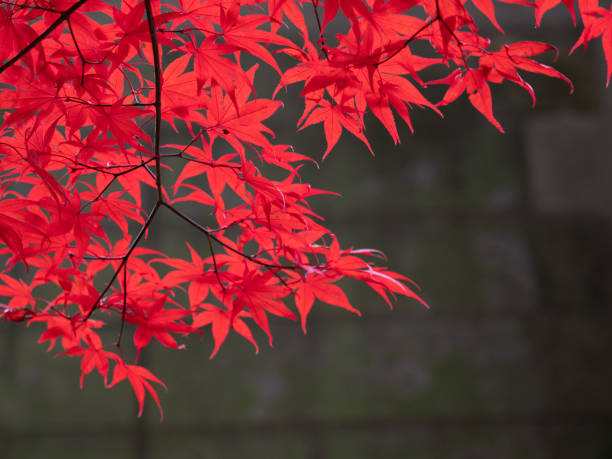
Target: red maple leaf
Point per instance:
(139, 378)
(87, 164)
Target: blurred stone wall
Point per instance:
(509, 237)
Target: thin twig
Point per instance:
(227, 246)
(315, 4)
(124, 309)
(409, 40)
(212, 253)
(33, 7)
(91, 104)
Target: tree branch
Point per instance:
(66, 14)
(158, 88)
(142, 232)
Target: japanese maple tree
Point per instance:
(85, 89)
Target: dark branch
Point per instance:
(140, 235)
(158, 88)
(66, 14)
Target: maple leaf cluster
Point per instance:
(85, 88)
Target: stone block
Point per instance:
(570, 164)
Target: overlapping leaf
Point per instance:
(86, 168)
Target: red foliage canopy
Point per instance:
(85, 88)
